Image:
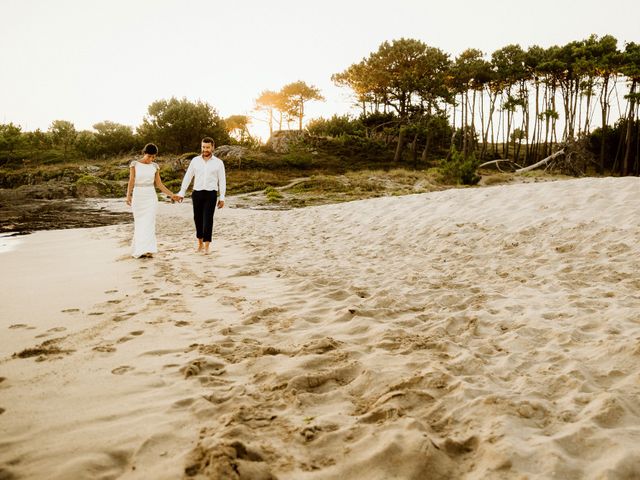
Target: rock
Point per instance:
(231, 152)
(44, 191)
(90, 186)
(181, 163)
(281, 141)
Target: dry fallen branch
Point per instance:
(497, 163)
(572, 158)
(544, 161)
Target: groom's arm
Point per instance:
(188, 176)
(222, 185)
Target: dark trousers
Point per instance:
(204, 206)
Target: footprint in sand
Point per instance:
(57, 329)
(2, 379)
(19, 325)
(126, 338)
(111, 291)
(105, 348)
(202, 366)
(121, 370)
(181, 323)
(120, 318)
(185, 402)
(460, 447)
(150, 290)
(95, 313)
(70, 310)
(2, 410)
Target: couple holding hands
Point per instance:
(208, 192)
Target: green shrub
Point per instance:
(121, 174)
(168, 173)
(299, 159)
(173, 185)
(272, 194)
(458, 170)
(246, 187)
(335, 126)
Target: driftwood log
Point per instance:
(520, 169)
(497, 163)
(542, 162)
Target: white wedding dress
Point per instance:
(144, 203)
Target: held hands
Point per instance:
(176, 198)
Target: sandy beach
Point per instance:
(481, 333)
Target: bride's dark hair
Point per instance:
(150, 149)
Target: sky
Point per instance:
(87, 61)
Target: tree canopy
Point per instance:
(179, 125)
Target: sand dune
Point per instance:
(488, 333)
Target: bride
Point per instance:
(144, 176)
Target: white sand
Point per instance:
(483, 333)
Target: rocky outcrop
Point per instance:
(231, 152)
(44, 191)
(282, 141)
(91, 186)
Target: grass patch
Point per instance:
(272, 194)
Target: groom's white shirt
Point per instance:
(208, 175)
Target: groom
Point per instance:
(210, 185)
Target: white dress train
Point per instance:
(144, 203)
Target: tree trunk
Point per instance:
(400, 146)
(637, 162)
(425, 155)
(603, 104)
(630, 123)
(472, 130)
(531, 146)
(414, 151)
(463, 125)
(301, 114)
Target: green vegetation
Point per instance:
(508, 106)
(460, 170)
(179, 125)
(92, 186)
(289, 103)
(426, 121)
(272, 194)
